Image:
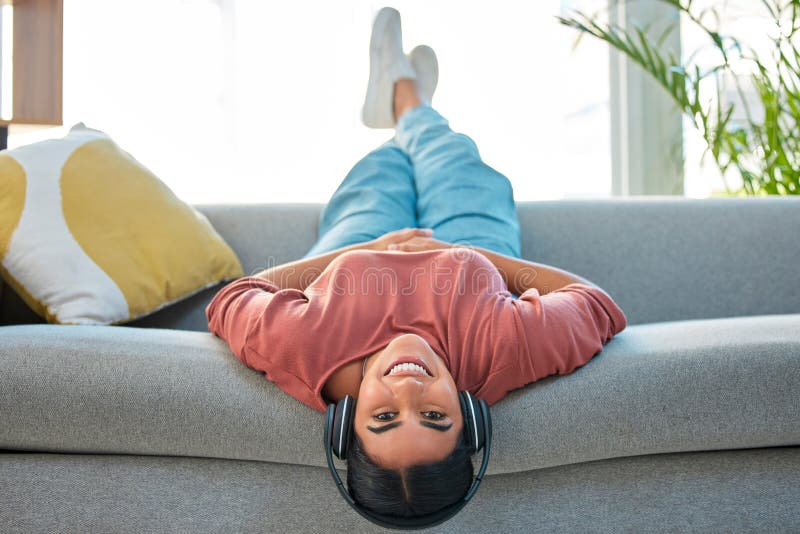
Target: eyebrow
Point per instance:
(386, 428)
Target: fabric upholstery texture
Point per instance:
(89, 236)
(753, 490)
(680, 386)
(660, 258)
(687, 421)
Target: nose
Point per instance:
(409, 385)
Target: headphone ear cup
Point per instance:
(343, 420)
(474, 425)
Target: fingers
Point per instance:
(405, 245)
(392, 239)
(398, 236)
(415, 243)
(408, 233)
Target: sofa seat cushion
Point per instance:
(694, 385)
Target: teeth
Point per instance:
(408, 367)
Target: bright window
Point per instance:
(251, 101)
(751, 24)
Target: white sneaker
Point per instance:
(387, 64)
(426, 67)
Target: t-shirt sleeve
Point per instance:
(266, 328)
(236, 308)
(565, 328)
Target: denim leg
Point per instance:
(458, 195)
(376, 197)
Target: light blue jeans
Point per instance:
(427, 176)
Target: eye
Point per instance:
(380, 417)
(433, 415)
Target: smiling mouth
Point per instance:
(408, 366)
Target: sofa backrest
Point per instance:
(661, 258)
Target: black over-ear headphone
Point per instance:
(477, 432)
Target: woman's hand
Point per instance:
(418, 243)
(397, 237)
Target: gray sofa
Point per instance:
(688, 420)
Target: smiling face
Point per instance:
(407, 415)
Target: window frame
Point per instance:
(646, 124)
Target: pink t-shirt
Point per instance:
(454, 298)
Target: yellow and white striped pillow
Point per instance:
(89, 236)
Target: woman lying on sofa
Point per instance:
(415, 291)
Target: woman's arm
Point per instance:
(518, 274)
(300, 273)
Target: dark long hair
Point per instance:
(416, 490)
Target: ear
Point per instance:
(474, 422)
(342, 426)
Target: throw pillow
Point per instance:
(89, 236)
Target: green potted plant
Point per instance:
(764, 147)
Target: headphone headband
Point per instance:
(478, 430)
